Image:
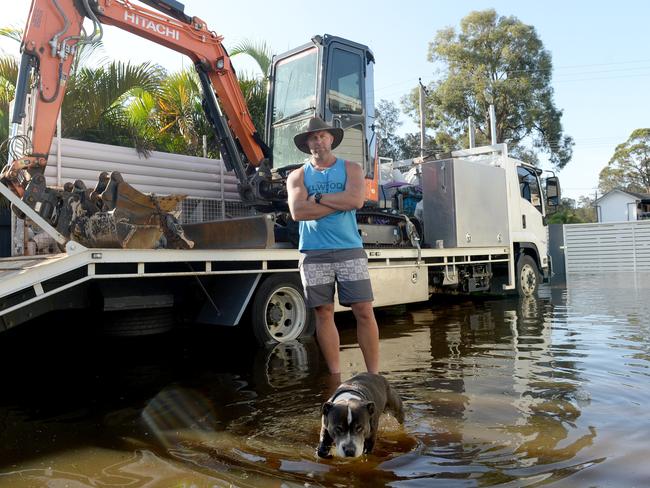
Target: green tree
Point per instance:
(94, 107)
(95, 98)
(386, 125)
(409, 145)
(572, 212)
(171, 118)
(566, 213)
(629, 167)
(495, 60)
(8, 75)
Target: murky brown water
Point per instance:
(552, 391)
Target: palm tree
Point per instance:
(8, 75)
(11, 32)
(94, 105)
(171, 118)
(260, 51)
(94, 108)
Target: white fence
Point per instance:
(607, 247)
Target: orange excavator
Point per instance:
(330, 77)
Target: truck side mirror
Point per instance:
(553, 196)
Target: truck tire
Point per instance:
(279, 312)
(285, 365)
(527, 276)
(135, 323)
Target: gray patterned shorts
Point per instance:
(347, 269)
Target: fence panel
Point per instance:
(603, 247)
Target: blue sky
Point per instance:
(599, 50)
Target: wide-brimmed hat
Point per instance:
(316, 124)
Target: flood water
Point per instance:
(551, 391)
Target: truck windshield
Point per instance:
(294, 101)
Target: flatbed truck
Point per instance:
(482, 226)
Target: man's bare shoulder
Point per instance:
(353, 168)
(296, 176)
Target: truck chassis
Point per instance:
(225, 284)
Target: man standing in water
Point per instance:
(324, 195)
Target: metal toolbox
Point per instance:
(465, 204)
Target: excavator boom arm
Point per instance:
(55, 30)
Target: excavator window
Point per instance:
(295, 86)
(344, 90)
(294, 101)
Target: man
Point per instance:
(323, 197)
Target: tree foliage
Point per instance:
(387, 123)
(8, 75)
(396, 147)
(629, 167)
(496, 60)
(137, 105)
(94, 105)
(572, 212)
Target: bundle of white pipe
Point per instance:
(160, 173)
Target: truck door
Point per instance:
(531, 205)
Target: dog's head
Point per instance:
(348, 423)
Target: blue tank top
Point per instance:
(337, 230)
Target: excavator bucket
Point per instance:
(115, 214)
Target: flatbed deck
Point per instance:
(26, 280)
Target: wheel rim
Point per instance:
(285, 314)
(528, 280)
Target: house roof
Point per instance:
(642, 197)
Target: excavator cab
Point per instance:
(332, 78)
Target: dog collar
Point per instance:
(352, 391)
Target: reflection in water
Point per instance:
(497, 392)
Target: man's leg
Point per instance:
(328, 336)
(367, 334)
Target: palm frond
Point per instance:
(89, 55)
(8, 75)
(260, 51)
(11, 32)
(94, 93)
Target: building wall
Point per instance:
(617, 207)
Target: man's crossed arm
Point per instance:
(304, 207)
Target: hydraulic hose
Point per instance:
(27, 63)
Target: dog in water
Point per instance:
(350, 417)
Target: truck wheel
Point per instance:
(527, 276)
(279, 312)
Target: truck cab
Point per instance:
(531, 200)
(528, 215)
